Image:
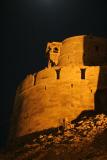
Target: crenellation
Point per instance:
(75, 80)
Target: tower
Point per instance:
(74, 81)
(53, 52)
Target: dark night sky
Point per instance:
(29, 25)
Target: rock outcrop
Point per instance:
(75, 80)
(81, 139)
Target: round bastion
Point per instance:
(63, 91)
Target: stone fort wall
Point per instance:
(42, 101)
(84, 50)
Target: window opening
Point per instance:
(55, 50)
(45, 87)
(58, 73)
(35, 79)
(71, 85)
(83, 73)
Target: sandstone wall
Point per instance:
(95, 51)
(78, 83)
(84, 50)
(72, 51)
(53, 52)
(46, 102)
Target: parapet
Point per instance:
(75, 80)
(84, 50)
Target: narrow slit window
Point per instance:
(58, 73)
(45, 87)
(83, 73)
(35, 79)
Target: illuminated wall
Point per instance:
(64, 91)
(84, 50)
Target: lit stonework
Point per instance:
(53, 52)
(75, 80)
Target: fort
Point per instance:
(75, 80)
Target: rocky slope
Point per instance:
(82, 139)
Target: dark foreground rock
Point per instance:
(82, 139)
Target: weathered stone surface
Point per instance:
(62, 92)
(84, 141)
(53, 51)
(84, 50)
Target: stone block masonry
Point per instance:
(74, 81)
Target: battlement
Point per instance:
(70, 73)
(75, 80)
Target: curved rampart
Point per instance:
(72, 51)
(45, 103)
(64, 91)
(84, 50)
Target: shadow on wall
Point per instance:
(14, 121)
(101, 92)
(95, 54)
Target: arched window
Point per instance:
(55, 50)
